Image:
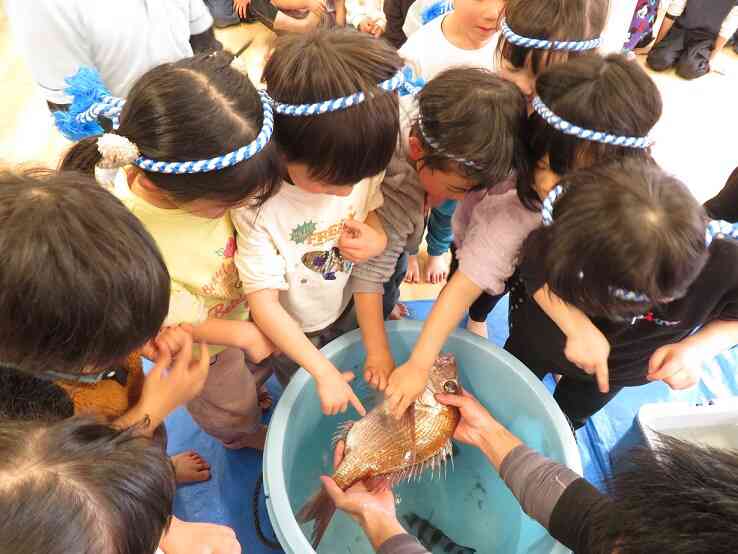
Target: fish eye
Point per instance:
(451, 387)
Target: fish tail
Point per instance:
(319, 508)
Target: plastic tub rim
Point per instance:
(277, 499)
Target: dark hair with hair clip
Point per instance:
(80, 486)
(561, 20)
(609, 94)
(474, 115)
(193, 109)
(82, 283)
(624, 225)
(346, 146)
(680, 498)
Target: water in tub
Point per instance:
(470, 503)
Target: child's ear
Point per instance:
(415, 148)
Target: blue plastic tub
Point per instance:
(471, 505)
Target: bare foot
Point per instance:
(413, 270)
(253, 440)
(265, 398)
(437, 269)
(400, 311)
(477, 327)
(189, 467)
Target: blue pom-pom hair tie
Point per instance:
(568, 128)
(92, 100)
(404, 82)
(438, 149)
(543, 44)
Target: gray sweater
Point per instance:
(403, 218)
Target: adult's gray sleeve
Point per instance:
(536, 482)
(402, 544)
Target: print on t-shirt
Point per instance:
(326, 262)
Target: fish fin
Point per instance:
(319, 508)
(342, 432)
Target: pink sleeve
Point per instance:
(497, 229)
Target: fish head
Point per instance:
(444, 376)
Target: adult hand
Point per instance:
(475, 419)
(199, 538)
(678, 365)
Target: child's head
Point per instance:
(79, 486)
(330, 152)
(547, 20)
(470, 133)
(26, 397)
(199, 108)
(478, 18)
(82, 283)
(608, 95)
(619, 238)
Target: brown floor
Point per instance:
(695, 138)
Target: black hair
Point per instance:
(473, 114)
(83, 487)
(82, 283)
(609, 94)
(194, 109)
(622, 225)
(26, 397)
(562, 20)
(346, 146)
(680, 498)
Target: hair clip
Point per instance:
(596, 136)
(404, 81)
(542, 44)
(437, 147)
(116, 151)
(719, 229)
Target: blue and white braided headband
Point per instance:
(404, 82)
(437, 147)
(716, 229)
(542, 44)
(596, 136)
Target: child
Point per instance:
(570, 89)
(193, 142)
(367, 16)
(295, 252)
(121, 40)
(692, 34)
(81, 486)
(467, 140)
(625, 244)
(640, 32)
(271, 14)
(466, 36)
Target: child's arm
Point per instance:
(408, 380)
(238, 334)
(586, 346)
(361, 241)
(176, 379)
(679, 365)
(317, 6)
(340, 12)
(379, 362)
(333, 388)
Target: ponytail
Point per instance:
(82, 157)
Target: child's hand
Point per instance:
(316, 6)
(335, 393)
(678, 365)
(176, 378)
(377, 369)
(241, 7)
(406, 384)
(370, 27)
(359, 241)
(589, 350)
